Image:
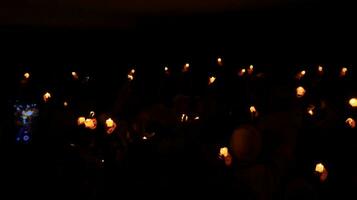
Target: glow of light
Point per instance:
(310, 110)
(166, 69)
(102, 161)
(145, 138)
(211, 80)
(131, 74)
(65, 104)
(186, 67)
(74, 75)
(223, 152)
(250, 70)
(46, 96)
(27, 75)
(343, 71)
(301, 74)
(109, 122)
(253, 111)
(242, 72)
(197, 118)
(353, 102)
(300, 91)
(91, 113)
(184, 118)
(219, 60)
(90, 123)
(319, 168)
(132, 71)
(351, 122)
(81, 120)
(321, 69)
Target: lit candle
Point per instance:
(322, 171)
(225, 155)
(301, 74)
(300, 91)
(250, 70)
(27, 75)
(197, 118)
(320, 69)
(46, 97)
(319, 168)
(223, 152)
(353, 102)
(253, 111)
(74, 75)
(211, 80)
(343, 71)
(131, 74)
(310, 110)
(242, 72)
(81, 120)
(186, 67)
(65, 104)
(145, 138)
(90, 123)
(351, 122)
(184, 118)
(109, 122)
(219, 61)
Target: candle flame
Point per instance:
(321, 69)
(310, 110)
(219, 60)
(343, 71)
(74, 75)
(351, 122)
(91, 114)
(300, 91)
(81, 120)
(65, 104)
(211, 80)
(184, 118)
(110, 126)
(27, 75)
(353, 102)
(197, 118)
(166, 69)
(242, 72)
(145, 138)
(186, 67)
(223, 152)
(319, 168)
(90, 123)
(46, 97)
(131, 74)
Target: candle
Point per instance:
(219, 61)
(322, 171)
(27, 75)
(186, 67)
(109, 122)
(343, 71)
(184, 118)
(74, 75)
(242, 71)
(65, 104)
(90, 123)
(81, 120)
(310, 110)
(46, 96)
(223, 152)
(319, 168)
(300, 91)
(351, 122)
(131, 74)
(197, 118)
(320, 69)
(250, 70)
(353, 102)
(211, 80)
(145, 138)
(253, 111)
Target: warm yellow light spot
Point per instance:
(110, 125)
(242, 72)
(184, 118)
(251, 67)
(27, 75)
(109, 122)
(319, 168)
(186, 67)
(131, 74)
(310, 110)
(65, 104)
(300, 91)
(211, 80)
(145, 138)
(321, 69)
(253, 111)
(223, 152)
(132, 71)
(351, 122)
(166, 69)
(75, 75)
(303, 72)
(353, 102)
(219, 60)
(197, 118)
(343, 71)
(90, 123)
(46, 96)
(81, 120)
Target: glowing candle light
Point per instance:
(132, 71)
(197, 118)
(343, 71)
(109, 122)
(242, 72)
(81, 120)
(110, 126)
(145, 138)
(253, 111)
(301, 74)
(319, 168)
(27, 75)
(186, 67)
(65, 104)
(300, 91)
(74, 75)
(320, 69)
(46, 97)
(353, 102)
(211, 80)
(131, 74)
(184, 118)
(90, 123)
(351, 122)
(310, 110)
(219, 61)
(251, 69)
(223, 152)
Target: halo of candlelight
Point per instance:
(351, 122)
(353, 102)
(300, 91)
(211, 80)
(81, 120)
(46, 97)
(65, 104)
(26, 75)
(311, 110)
(186, 67)
(110, 126)
(343, 71)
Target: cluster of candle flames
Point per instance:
(110, 125)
